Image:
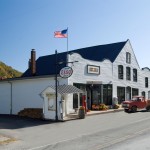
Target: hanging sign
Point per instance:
(66, 72)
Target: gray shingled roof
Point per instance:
(45, 65)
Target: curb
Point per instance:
(105, 112)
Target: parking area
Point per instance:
(12, 122)
(16, 122)
(11, 126)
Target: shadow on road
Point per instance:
(15, 122)
(143, 111)
(138, 111)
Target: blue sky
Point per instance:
(30, 24)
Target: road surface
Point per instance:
(112, 131)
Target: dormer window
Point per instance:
(128, 58)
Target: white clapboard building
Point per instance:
(101, 73)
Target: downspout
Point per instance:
(10, 97)
(42, 96)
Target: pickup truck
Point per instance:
(136, 103)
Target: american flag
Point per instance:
(61, 34)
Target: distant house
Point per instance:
(102, 72)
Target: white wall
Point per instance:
(5, 98)
(25, 93)
(144, 73)
(121, 60)
(48, 96)
(80, 74)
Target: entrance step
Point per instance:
(71, 116)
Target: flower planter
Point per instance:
(81, 113)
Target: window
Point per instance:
(120, 94)
(128, 73)
(107, 94)
(135, 75)
(75, 100)
(135, 91)
(146, 82)
(128, 58)
(120, 72)
(143, 93)
(128, 92)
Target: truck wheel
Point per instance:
(126, 110)
(148, 108)
(133, 109)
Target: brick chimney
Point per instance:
(33, 62)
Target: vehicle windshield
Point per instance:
(136, 99)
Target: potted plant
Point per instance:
(103, 107)
(82, 112)
(116, 106)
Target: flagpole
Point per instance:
(67, 40)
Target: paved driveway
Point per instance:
(11, 122)
(16, 122)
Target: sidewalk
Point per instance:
(74, 116)
(103, 112)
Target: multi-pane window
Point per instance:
(120, 72)
(143, 93)
(128, 73)
(135, 91)
(146, 82)
(120, 94)
(135, 75)
(128, 58)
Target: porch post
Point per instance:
(101, 93)
(125, 93)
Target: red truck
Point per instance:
(136, 103)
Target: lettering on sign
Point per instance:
(93, 69)
(66, 72)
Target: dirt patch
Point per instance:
(6, 140)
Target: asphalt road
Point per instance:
(139, 141)
(112, 131)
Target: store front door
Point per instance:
(98, 94)
(93, 95)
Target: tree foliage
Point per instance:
(8, 72)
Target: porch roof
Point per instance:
(66, 89)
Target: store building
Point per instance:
(102, 72)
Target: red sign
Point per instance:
(66, 72)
